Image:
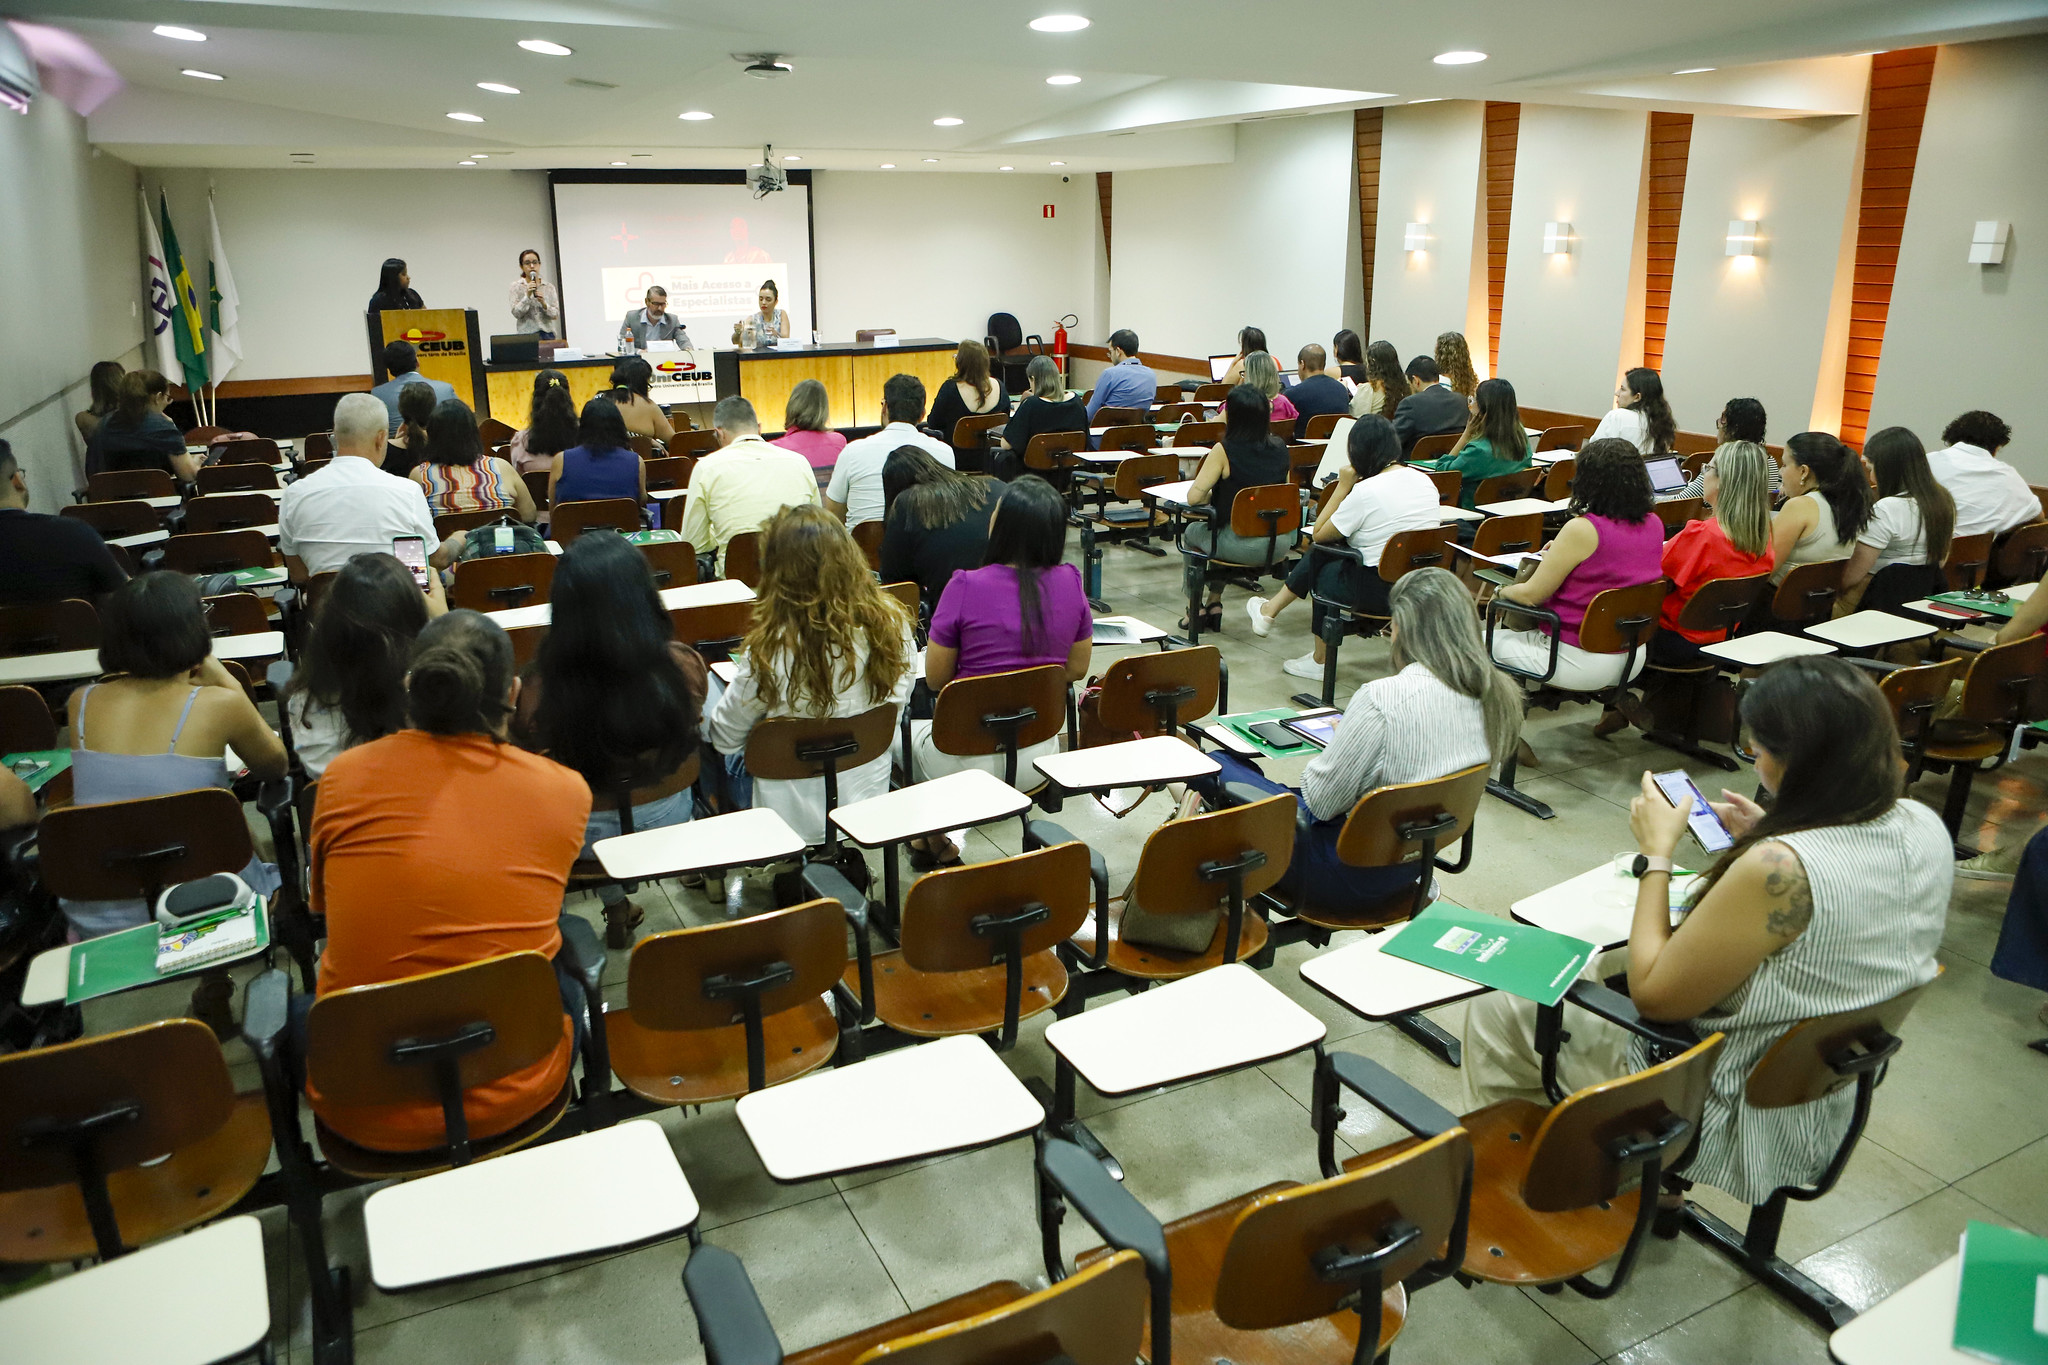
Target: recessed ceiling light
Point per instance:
(461, 117)
(694, 115)
(931, 161)
(948, 122)
(792, 158)
(183, 35)
(618, 163)
(197, 74)
(1429, 99)
(497, 88)
(1006, 168)
(465, 163)
(888, 165)
(1459, 58)
(1059, 23)
(481, 156)
(1062, 80)
(544, 47)
(1059, 163)
(1693, 71)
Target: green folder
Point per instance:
(1520, 959)
(2002, 1295)
(1241, 723)
(1996, 605)
(117, 962)
(654, 537)
(40, 765)
(248, 577)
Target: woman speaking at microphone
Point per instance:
(536, 307)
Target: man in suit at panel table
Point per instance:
(1432, 408)
(402, 363)
(654, 322)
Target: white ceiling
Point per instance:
(369, 83)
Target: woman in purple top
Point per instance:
(601, 464)
(1022, 609)
(1616, 540)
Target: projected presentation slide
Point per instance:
(709, 246)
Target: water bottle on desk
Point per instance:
(626, 340)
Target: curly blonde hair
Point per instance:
(1455, 360)
(818, 603)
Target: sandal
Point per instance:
(926, 859)
(1212, 619)
(620, 921)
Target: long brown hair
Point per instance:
(1383, 363)
(134, 392)
(1900, 463)
(1499, 421)
(970, 366)
(818, 604)
(1454, 358)
(1648, 387)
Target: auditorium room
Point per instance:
(1047, 684)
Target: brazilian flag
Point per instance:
(188, 324)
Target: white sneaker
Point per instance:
(1262, 624)
(1304, 667)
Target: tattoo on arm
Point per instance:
(1791, 909)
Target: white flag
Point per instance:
(157, 315)
(224, 326)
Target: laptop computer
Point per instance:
(515, 348)
(1219, 365)
(1666, 478)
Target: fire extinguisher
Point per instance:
(1059, 341)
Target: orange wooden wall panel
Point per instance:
(1367, 126)
(1503, 134)
(1670, 150)
(1102, 189)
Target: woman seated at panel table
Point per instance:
(1832, 899)
(936, 524)
(1494, 441)
(1444, 708)
(641, 414)
(550, 425)
(806, 426)
(137, 435)
(971, 392)
(1248, 456)
(349, 687)
(1045, 409)
(826, 642)
(1376, 498)
(1900, 551)
(600, 464)
(1827, 503)
(458, 476)
(1262, 372)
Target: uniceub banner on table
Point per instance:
(681, 377)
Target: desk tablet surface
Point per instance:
(955, 801)
(1515, 507)
(1212, 1021)
(1915, 1326)
(740, 839)
(605, 1189)
(140, 539)
(1764, 647)
(1861, 629)
(1133, 763)
(1378, 985)
(1173, 493)
(262, 644)
(1142, 632)
(917, 1101)
(61, 666)
(1598, 906)
(715, 593)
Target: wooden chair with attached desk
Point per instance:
(536, 481)
(668, 471)
(1690, 703)
(1508, 487)
(587, 873)
(868, 536)
(1212, 393)
(1804, 597)
(2004, 687)
(1119, 417)
(209, 552)
(1322, 425)
(1557, 484)
(1562, 438)
(1518, 534)
(1270, 513)
(1054, 455)
(204, 435)
(26, 724)
(1968, 558)
(120, 485)
(48, 627)
(1125, 514)
(568, 520)
(229, 512)
(1162, 693)
(1336, 617)
(319, 445)
(256, 450)
(1433, 447)
(499, 582)
(996, 714)
(2022, 556)
(1197, 434)
(686, 442)
(803, 749)
(237, 478)
(970, 440)
(673, 563)
(743, 557)
(114, 520)
(447, 524)
(1914, 696)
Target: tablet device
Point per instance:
(1318, 728)
(1666, 477)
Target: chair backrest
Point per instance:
(1432, 447)
(1514, 535)
(1267, 510)
(1557, 484)
(1135, 437)
(868, 535)
(26, 724)
(48, 627)
(1722, 603)
(447, 524)
(1388, 824)
(1269, 1277)
(114, 519)
(116, 485)
(1622, 619)
(311, 467)
(1562, 438)
(672, 562)
(967, 431)
(643, 446)
(1449, 484)
(1169, 878)
(492, 432)
(909, 595)
(1408, 551)
(1282, 427)
(526, 643)
(1054, 449)
(199, 436)
(1694, 443)
(230, 511)
(1133, 477)
(692, 442)
(1968, 557)
(236, 478)
(1676, 512)
(1213, 392)
(2007, 684)
(2023, 555)
(1503, 487)
(1322, 425)
(217, 551)
(250, 450)
(1197, 434)
(1155, 694)
(497, 582)
(1915, 694)
(712, 621)
(785, 748)
(980, 715)
(235, 613)
(536, 481)
(571, 519)
(669, 471)
(1118, 417)
(1095, 1316)
(1816, 1057)
(1173, 412)
(1807, 594)
(123, 849)
(743, 558)
(1004, 332)
(1696, 463)
(667, 977)
(1572, 1164)
(940, 910)
(319, 445)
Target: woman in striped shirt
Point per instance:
(458, 476)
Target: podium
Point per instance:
(450, 348)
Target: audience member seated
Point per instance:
(1900, 551)
(970, 393)
(1741, 419)
(854, 494)
(402, 363)
(641, 414)
(601, 464)
(351, 506)
(394, 289)
(937, 523)
(137, 435)
(806, 422)
(1316, 393)
(1454, 360)
(1127, 382)
(826, 641)
(2021, 955)
(1431, 408)
(1614, 540)
(736, 488)
(1377, 498)
(103, 387)
(1249, 339)
(1263, 374)
(1831, 899)
(158, 721)
(1248, 456)
(1347, 357)
(1494, 442)
(1384, 386)
(1827, 503)
(439, 846)
(1045, 408)
(408, 445)
(349, 687)
(459, 476)
(1990, 494)
(1023, 608)
(614, 696)
(1444, 708)
(1640, 415)
(44, 558)
(550, 425)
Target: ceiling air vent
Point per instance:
(585, 83)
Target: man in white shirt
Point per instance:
(1990, 494)
(736, 488)
(352, 506)
(855, 493)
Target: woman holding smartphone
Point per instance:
(1832, 898)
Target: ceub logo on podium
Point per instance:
(676, 366)
(434, 343)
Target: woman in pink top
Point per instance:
(1615, 541)
(804, 428)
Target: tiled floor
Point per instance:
(1960, 1129)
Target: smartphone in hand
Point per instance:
(1707, 830)
(411, 551)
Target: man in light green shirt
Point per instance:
(736, 488)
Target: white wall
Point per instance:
(1200, 251)
(1430, 173)
(70, 286)
(1571, 166)
(1963, 336)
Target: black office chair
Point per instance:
(1006, 334)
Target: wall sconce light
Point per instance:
(1987, 243)
(1742, 237)
(1416, 237)
(1557, 239)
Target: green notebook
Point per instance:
(116, 962)
(1241, 723)
(1995, 605)
(654, 537)
(37, 766)
(248, 576)
(2002, 1295)
(1520, 959)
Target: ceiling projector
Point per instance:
(768, 177)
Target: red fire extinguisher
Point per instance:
(1059, 341)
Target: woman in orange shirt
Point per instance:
(439, 846)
